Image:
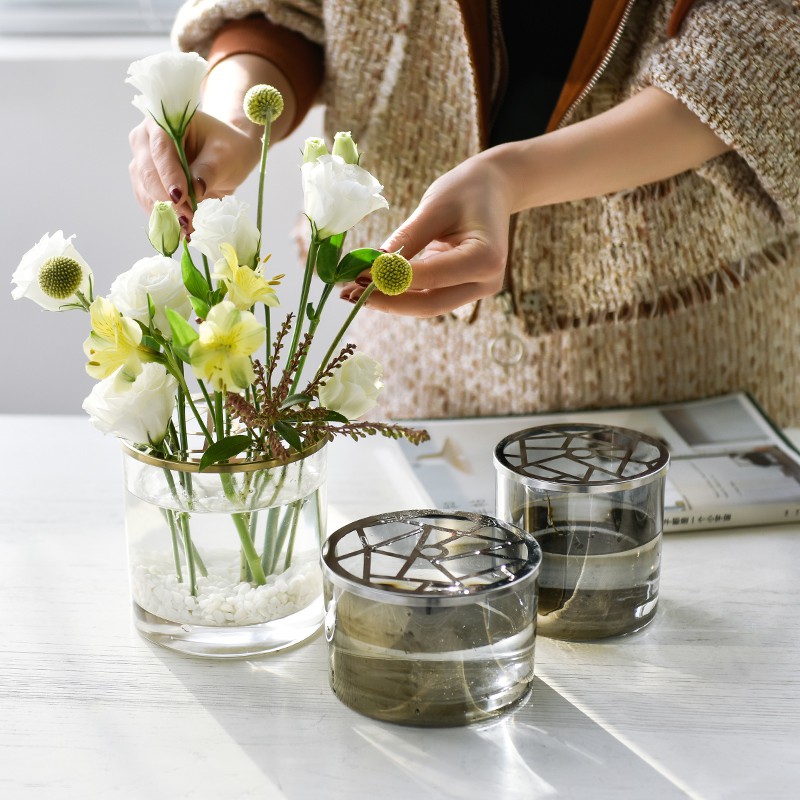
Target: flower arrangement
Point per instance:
(174, 346)
(142, 344)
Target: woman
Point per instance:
(631, 240)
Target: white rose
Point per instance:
(26, 276)
(135, 403)
(225, 221)
(170, 87)
(354, 388)
(158, 276)
(336, 195)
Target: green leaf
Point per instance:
(295, 399)
(224, 449)
(201, 308)
(183, 334)
(151, 343)
(218, 295)
(289, 435)
(193, 279)
(335, 416)
(151, 308)
(354, 263)
(328, 257)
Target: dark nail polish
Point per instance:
(183, 221)
(202, 184)
(364, 281)
(175, 194)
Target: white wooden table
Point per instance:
(705, 703)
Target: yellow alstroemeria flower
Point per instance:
(246, 286)
(115, 340)
(221, 353)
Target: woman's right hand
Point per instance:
(220, 157)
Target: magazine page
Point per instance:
(729, 464)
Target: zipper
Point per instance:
(601, 67)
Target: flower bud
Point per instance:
(391, 273)
(60, 277)
(165, 230)
(313, 149)
(263, 104)
(345, 147)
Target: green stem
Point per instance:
(219, 421)
(169, 514)
(297, 509)
(301, 311)
(270, 538)
(243, 529)
(268, 347)
(312, 329)
(188, 546)
(185, 167)
(356, 308)
(261, 173)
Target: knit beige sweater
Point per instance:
(675, 290)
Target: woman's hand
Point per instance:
(463, 219)
(220, 157)
(222, 145)
(462, 225)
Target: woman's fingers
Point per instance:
(426, 303)
(155, 170)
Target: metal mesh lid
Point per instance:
(581, 457)
(429, 554)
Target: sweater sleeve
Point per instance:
(737, 67)
(287, 34)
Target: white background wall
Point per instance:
(65, 114)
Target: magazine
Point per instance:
(729, 464)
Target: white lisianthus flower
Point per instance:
(164, 230)
(221, 354)
(225, 221)
(338, 195)
(354, 388)
(135, 403)
(158, 276)
(53, 289)
(170, 88)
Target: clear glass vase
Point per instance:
(225, 562)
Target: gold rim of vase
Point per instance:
(231, 465)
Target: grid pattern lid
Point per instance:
(581, 457)
(429, 554)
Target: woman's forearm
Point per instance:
(227, 84)
(650, 137)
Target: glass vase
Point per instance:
(225, 562)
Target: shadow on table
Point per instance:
(281, 712)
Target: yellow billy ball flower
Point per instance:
(60, 277)
(391, 273)
(263, 104)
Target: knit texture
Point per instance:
(675, 290)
